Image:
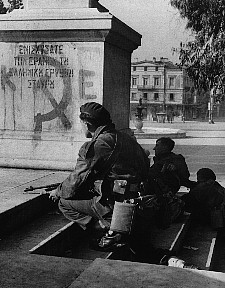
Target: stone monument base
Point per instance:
(56, 55)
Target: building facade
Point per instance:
(163, 87)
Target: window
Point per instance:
(156, 81)
(145, 96)
(156, 96)
(134, 68)
(134, 81)
(133, 96)
(145, 81)
(171, 81)
(145, 68)
(171, 97)
(156, 68)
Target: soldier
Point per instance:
(206, 200)
(109, 167)
(166, 175)
(169, 169)
(134, 227)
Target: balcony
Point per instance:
(146, 87)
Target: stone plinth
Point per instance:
(53, 61)
(59, 4)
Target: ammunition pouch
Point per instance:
(131, 190)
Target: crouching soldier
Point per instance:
(206, 200)
(89, 192)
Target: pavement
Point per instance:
(203, 142)
(196, 131)
(194, 125)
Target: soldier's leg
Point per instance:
(82, 211)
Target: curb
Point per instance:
(157, 133)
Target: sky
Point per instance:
(157, 21)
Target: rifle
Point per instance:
(47, 188)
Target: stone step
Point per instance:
(172, 238)
(20, 268)
(114, 273)
(18, 208)
(26, 221)
(72, 242)
(29, 270)
(68, 241)
(53, 240)
(48, 246)
(28, 236)
(199, 246)
(218, 256)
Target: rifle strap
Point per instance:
(112, 157)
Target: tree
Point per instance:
(204, 56)
(13, 4)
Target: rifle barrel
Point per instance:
(31, 188)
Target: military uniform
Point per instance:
(80, 200)
(173, 179)
(203, 198)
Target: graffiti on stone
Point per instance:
(45, 70)
(5, 79)
(44, 83)
(41, 65)
(85, 82)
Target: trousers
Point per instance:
(82, 211)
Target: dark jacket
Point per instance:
(202, 199)
(208, 194)
(131, 163)
(174, 179)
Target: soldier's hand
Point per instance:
(171, 167)
(149, 201)
(53, 196)
(168, 167)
